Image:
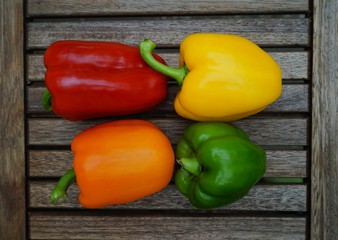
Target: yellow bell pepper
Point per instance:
(222, 77)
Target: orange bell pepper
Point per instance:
(118, 162)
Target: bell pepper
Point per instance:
(219, 164)
(97, 79)
(118, 162)
(221, 77)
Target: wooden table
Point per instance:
(299, 131)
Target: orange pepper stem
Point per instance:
(46, 101)
(146, 48)
(59, 193)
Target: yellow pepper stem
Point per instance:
(146, 48)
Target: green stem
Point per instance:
(46, 101)
(191, 165)
(146, 48)
(59, 193)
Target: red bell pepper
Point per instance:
(97, 79)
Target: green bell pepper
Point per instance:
(219, 164)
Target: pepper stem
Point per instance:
(59, 193)
(46, 101)
(190, 164)
(146, 48)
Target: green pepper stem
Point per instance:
(146, 48)
(191, 165)
(59, 193)
(46, 101)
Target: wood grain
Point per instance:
(12, 155)
(269, 211)
(54, 225)
(324, 207)
(294, 98)
(260, 198)
(263, 131)
(153, 7)
(54, 163)
(267, 31)
(170, 31)
(294, 65)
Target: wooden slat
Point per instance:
(260, 198)
(294, 65)
(294, 98)
(53, 225)
(286, 163)
(153, 7)
(12, 135)
(274, 131)
(169, 32)
(324, 207)
(54, 163)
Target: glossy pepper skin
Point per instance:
(222, 77)
(118, 162)
(219, 164)
(97, 79)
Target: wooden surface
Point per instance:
(165, 226)
(298, 131)
(286, 197)
(282, 128)
(12, 156)
(263, 131)
(324, 214)
(170, 31)
(153, 7)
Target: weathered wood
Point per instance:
(260, 198)
(53, 225)
(280, 25)
(170, 31)
(324, 207)
(286, 163)
(12, 155)
(153, 7)
(273, 131)
(54, 163)
(294, 98)
(293, 64)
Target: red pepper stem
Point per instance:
(46, 101)
(191, 165)
(146, 48)
(59, 193)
